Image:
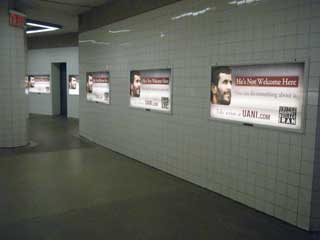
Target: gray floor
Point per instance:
(66, 188)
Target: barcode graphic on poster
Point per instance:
(288, 115)
(106, 96)
(165, 102)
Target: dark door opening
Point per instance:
(63, 90)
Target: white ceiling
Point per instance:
(62, 12)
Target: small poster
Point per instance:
(151, 89)
(39, 84)
(98, 87)
(73, 85)
(26, 85)
(269, 94)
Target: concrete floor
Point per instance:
(66, 188)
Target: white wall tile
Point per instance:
(13, 131)
(269, 170)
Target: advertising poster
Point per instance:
(39, 84)
(98, 87)
(151, 89)
(26, 85)
(270, 94)
(73, 85)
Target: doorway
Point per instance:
(63, 90)
(59, 89)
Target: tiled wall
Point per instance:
(13, 108)
(269, 170)
(315, 213)
(39, 62)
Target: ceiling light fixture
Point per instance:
(241, 2)
(192, 14)
(120, 31)
(94, 42)
(38, 27)
(43, 28)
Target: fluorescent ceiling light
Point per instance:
(241, 2)
(44, 28)
(120, 31)
(41, 27)
(93, 42)
(192, 14)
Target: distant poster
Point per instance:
(39, 84)
(73, 85)
(269, 94)
(98, 87)
(26, 85)
(151, 89)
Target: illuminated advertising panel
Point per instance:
(269, 94)
(73, 84)
(39, 84)
(98, 87)
(26, 85)
(151, 89)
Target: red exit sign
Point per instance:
(16, 19)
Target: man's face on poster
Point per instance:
(31, 82)
(136, 85)
(73, 83)
(222, 91)
(89, 84)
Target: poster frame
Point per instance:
(170, 67)
(45, 74)
(70, 75)
(26, 89)
(86, 78)
(305, 84)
